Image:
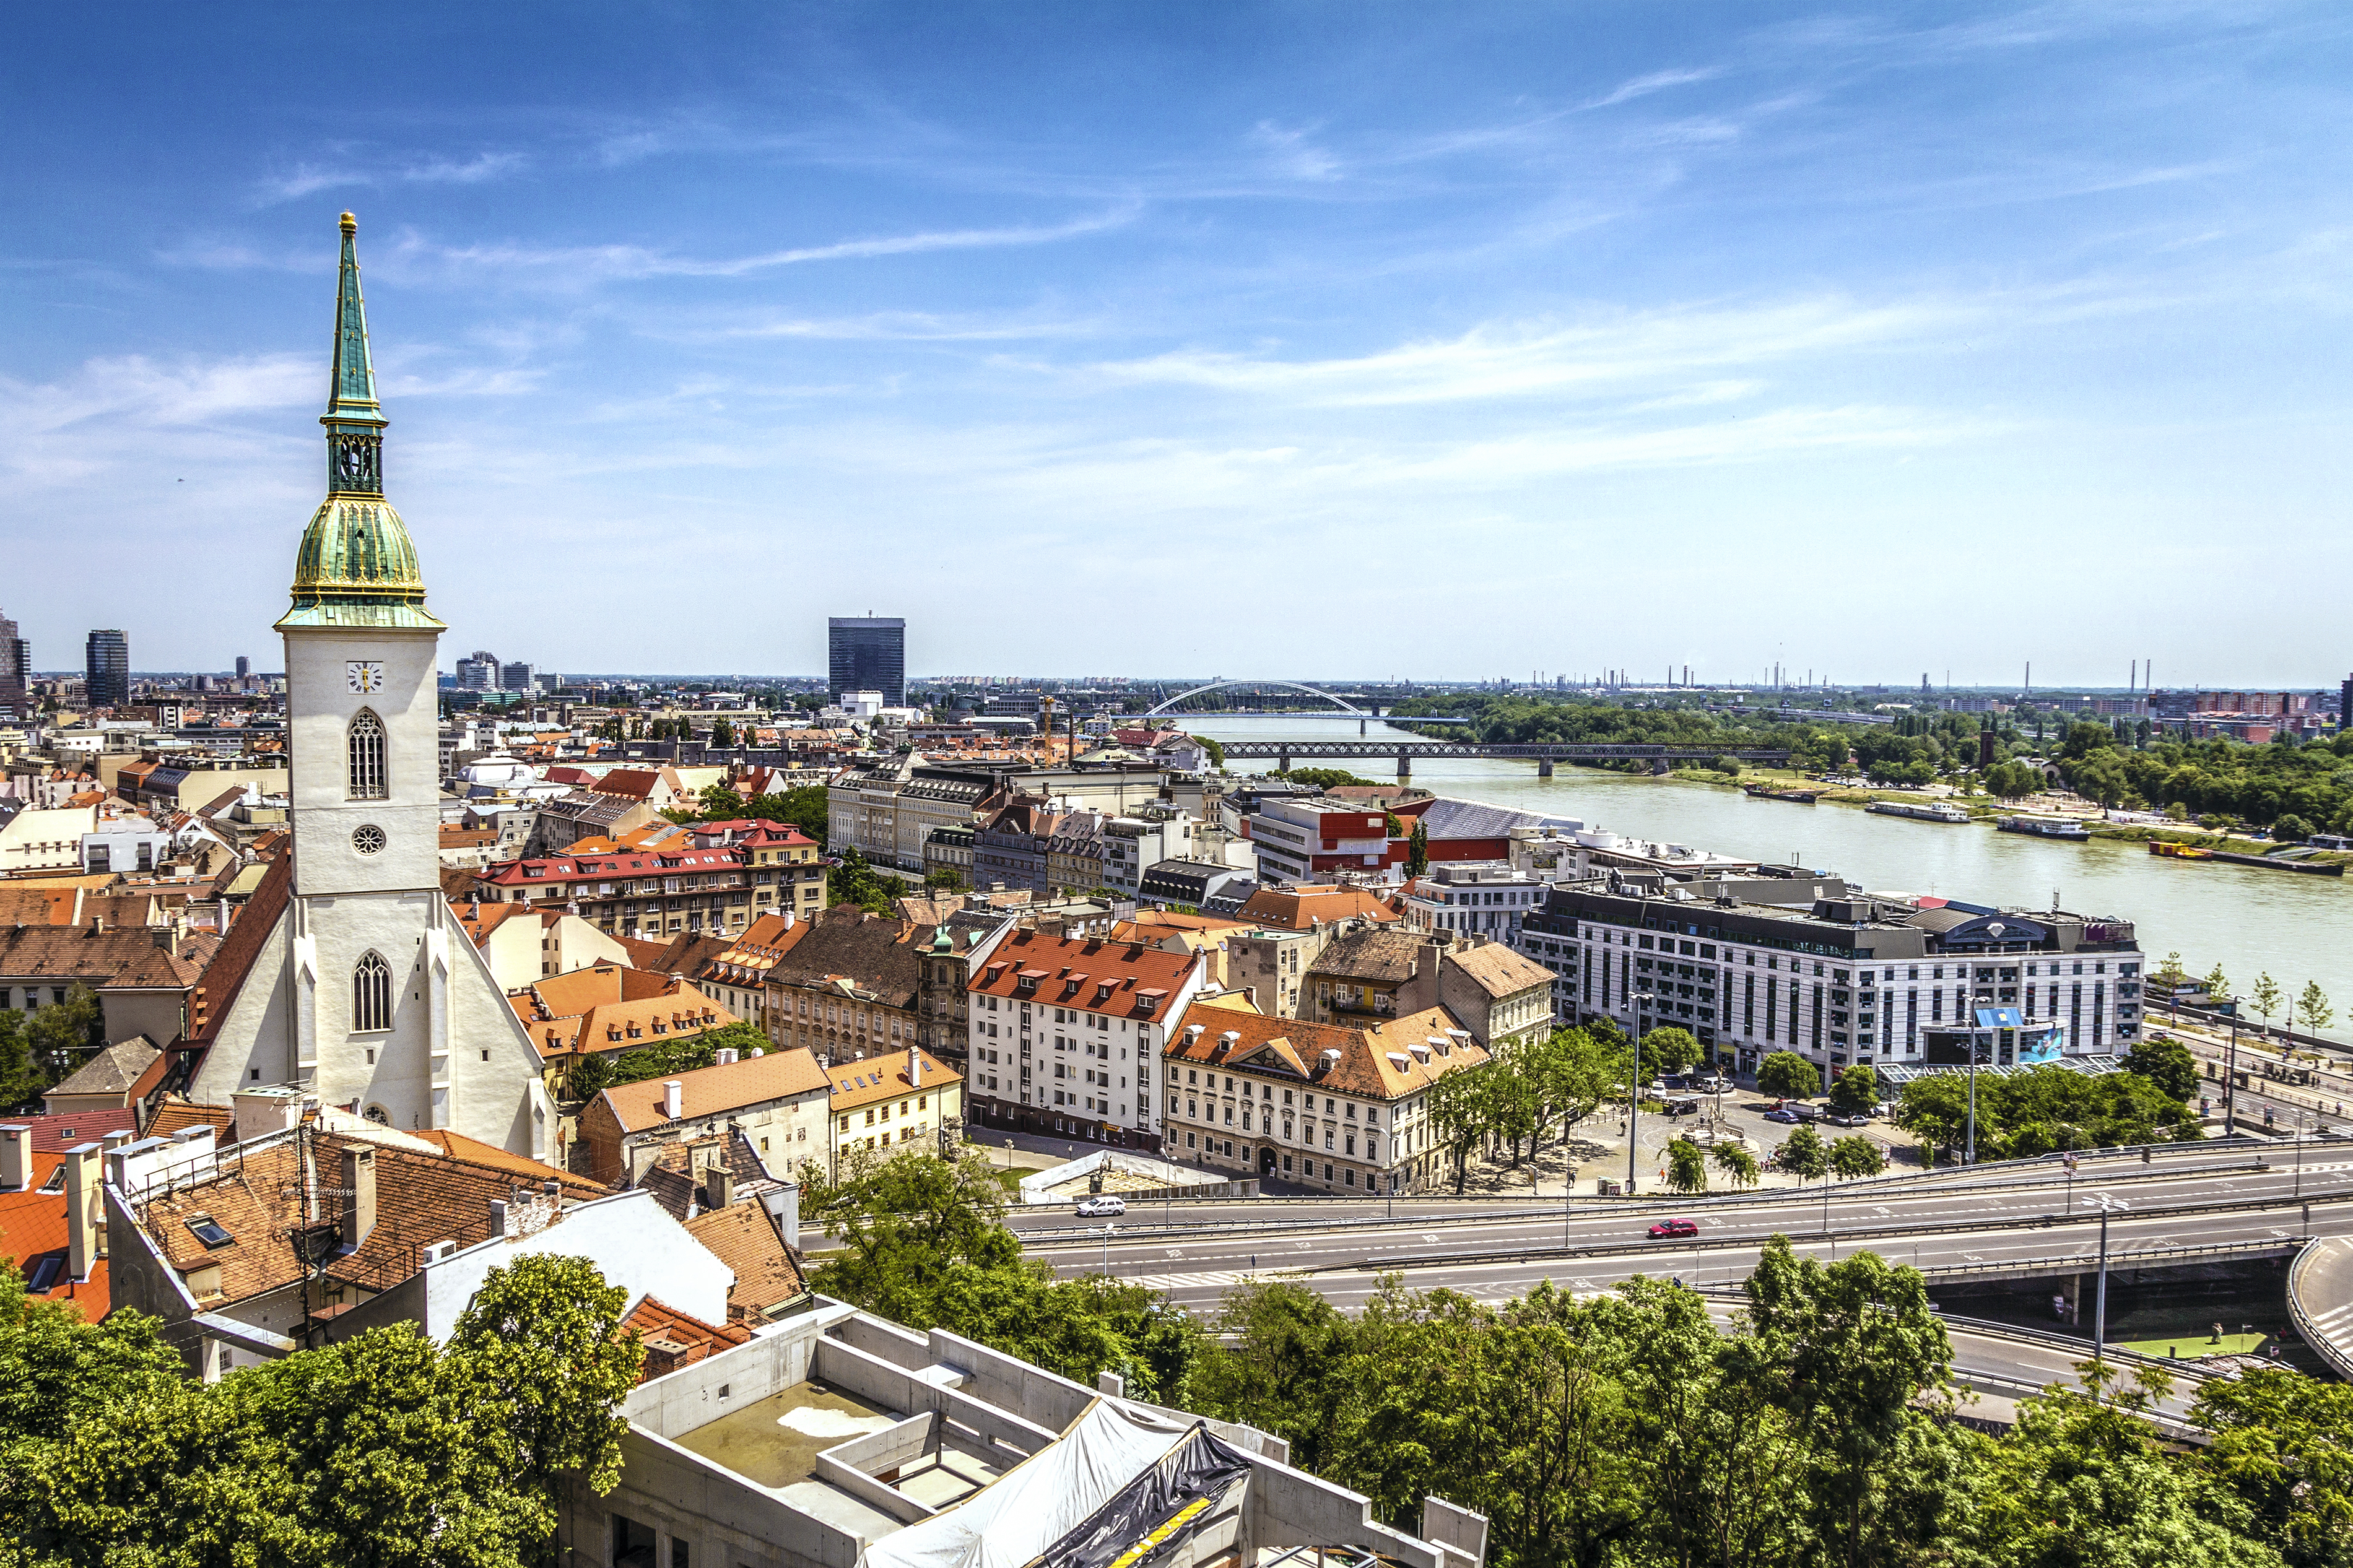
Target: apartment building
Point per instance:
(1304, 841)
(1485, 897)
(1814, 965)
(846, 986)
(1374, 972)
(1336, 1108)
(717, 878)
(1063, 1032)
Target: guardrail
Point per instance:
(1697, 1243)
(2324, 1345)
(1635, 1206)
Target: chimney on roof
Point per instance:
(359, 1195)
(720, 1183)
(673, 1099)
(82, 1247)
(15, 1158)
(551, 1191)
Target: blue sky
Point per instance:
(1305, 340)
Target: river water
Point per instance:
(2297, 928)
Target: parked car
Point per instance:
(1846, 1119)
(1783, 1113)
(1101, 1206)
(1674, 1227)
(1705, 1085)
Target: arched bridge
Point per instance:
(1344, 705)
(1543, 756)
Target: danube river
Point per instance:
(2249, 920)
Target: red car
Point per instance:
(1674, 1227)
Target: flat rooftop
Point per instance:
(775, 1441)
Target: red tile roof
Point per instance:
(1123, 980)
(56, 1134)
(33, 1235)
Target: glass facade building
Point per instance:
(867, 653)
(107, 665)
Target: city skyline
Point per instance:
(1488, 324)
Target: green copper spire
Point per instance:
(357, 566)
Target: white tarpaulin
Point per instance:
(1040, 1500)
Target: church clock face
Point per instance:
(364, 676)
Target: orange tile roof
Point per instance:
(1119, 979)
(33, 1230)
(715, 1090)
(674, 1338)
(873, 1079)
(175, 1115)
(743, 1238)
(1377, 1061)
(1297, 909)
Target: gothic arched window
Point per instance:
(366, 745)
(372, 994)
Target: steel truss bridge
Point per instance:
(1544, 756)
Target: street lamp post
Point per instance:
(2231, 1077)
(1106, 1249)
(1642, 1005)
(2100, 1308)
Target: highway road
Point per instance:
(2180, 1211)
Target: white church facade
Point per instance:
(354, 985)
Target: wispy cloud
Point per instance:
(306, 179)
(1291, 153)
(621, 262)
(1521, 360)
(1657, 81)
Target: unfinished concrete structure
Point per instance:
(838, 1440)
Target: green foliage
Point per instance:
(856, 882)
(381, 1449)
(1670, 1049)
(2291, 827)
(2082, 1481)
(2217, 984)
(2266, 997)
(1737, 1164)
(1215, 750)
(924, 1247)
(1855, 1155)
(1522, 1091)
(803, 807)
(1322, 778)
(1803, 1154)
(2012, 781)
(2283, 1444)
(2046, 1109)
(2314, 1009)
(1416, 849)
(683, 1054)
(1855, 1090)
(1786, 1075)
(1686, 1166)
(42, 1047)
(2167, 1064)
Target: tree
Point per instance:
(1215, 750)
(2265, 997)
(1855, 1155)
(2167, 1064)
(722, 735)
(1322, 778)
(2292, 828)
(1686, 1166)
(1416, 849)
(2218, 985)
(2313, 1007)
(1855, 1090)
(40, 1047)
(2168, 976)
(856, 882)
(1786, 1075)
(2282, 1443)
(1670, 1049)
(2082, 1481)
(540, 1358)
(1803, 1155)
(1736, 1162)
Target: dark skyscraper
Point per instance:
(15, 667)
(243, 666)
(108, 666)
(868, 653)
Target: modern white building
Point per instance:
(348, 978)
(1811, 964)
(1486, 897)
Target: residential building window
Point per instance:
(365, 739)
(372, 994)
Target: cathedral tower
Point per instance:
(367, 994)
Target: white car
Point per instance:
(1100, 1206)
